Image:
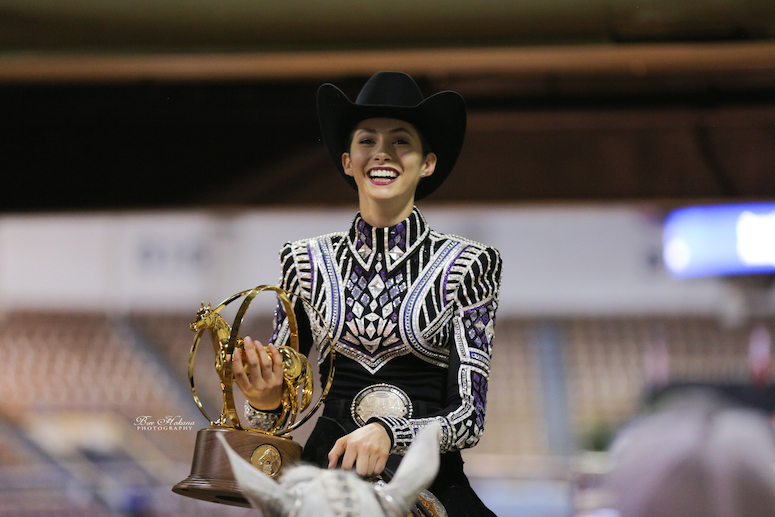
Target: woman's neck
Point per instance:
(382, 215)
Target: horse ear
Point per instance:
(418, 468)
(264, 494)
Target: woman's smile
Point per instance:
(387, 161)
(383, 175)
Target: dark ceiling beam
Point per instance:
(632, 60)
(240, 25)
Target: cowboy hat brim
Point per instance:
(441, 118)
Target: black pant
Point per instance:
(451, 485)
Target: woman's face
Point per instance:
(386, 160)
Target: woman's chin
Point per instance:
(387, 191)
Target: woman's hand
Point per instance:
(366, 448)
(259, 375)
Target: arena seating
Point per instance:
(70, 374)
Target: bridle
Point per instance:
(387, 502)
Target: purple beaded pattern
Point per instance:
(478, 324)
(452, 284)
(464, 426)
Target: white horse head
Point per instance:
(307, 491)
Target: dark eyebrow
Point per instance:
(392, 131)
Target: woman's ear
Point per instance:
(347, 164)
(429, 166)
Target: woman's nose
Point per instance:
(381, 152)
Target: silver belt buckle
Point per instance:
(380, 400)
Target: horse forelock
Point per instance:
(297, 476)
(334, 493)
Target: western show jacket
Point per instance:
(406, 306)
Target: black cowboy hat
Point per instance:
(441, 118)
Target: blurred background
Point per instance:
(158, 154)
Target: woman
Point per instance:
(411, 310)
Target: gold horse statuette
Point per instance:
(297, 373)
(269, 450)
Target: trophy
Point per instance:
(270, 450)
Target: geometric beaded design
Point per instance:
(406, 289)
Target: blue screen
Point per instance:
(720, 240)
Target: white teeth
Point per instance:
(383, 173)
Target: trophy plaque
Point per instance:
(270, 450)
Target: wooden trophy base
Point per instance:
(211, 478)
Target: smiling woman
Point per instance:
(411, 310)
(387, 162)
(439, 121)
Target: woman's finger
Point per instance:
(240, 376)
(277, 360)
(265, 361)
(253, 357)
(364, 465)
(380, 465)
(350, 456)
(336, 452)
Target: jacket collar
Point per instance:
(389, 246)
